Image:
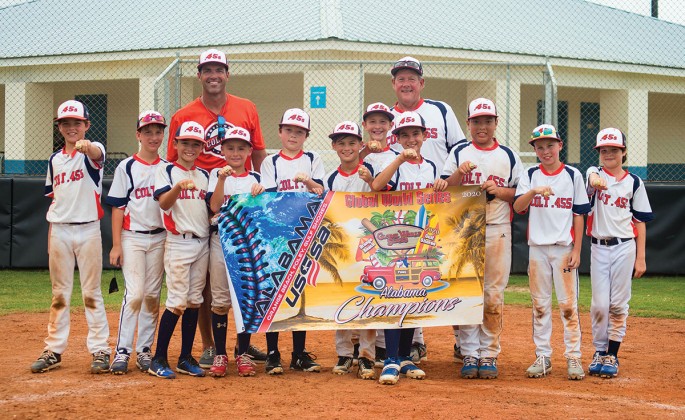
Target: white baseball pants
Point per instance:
(218, 277)
(547, 268)
(367, 343)
(82, 243)
(143, 269)
(185, 263)
(484, 340)
(611, 274)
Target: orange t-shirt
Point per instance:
(237, 111)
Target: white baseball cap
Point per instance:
(296, 117)
(238, 133)
(611, 137)
(212, 56)
(544, 131)
(150, 117)
(346, 128)
(72, 109)
(378, 107)
(409, 119)
(190, 130)
(480, 107)
(407, 63)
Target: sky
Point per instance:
(670, 10)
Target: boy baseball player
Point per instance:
(409, 171)
(224, 182)
(138, 237)
(557, 199)
(377, 122)
(74, 182)
(616, 224)
(497, 169)
(292, 169)
(353, 176)
(181, 189)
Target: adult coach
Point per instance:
(443, 132)
(217, 111)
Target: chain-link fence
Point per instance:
(334, 73)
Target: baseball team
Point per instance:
(164, 222)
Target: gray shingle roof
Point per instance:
(560, 28)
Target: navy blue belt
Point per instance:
(149, 232)
(189, 235)
(80, 223)
(610, 241)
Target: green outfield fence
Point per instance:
(578, 65)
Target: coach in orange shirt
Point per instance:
(217, 111)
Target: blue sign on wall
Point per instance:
(317, 97)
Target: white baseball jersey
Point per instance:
(443, 131)
(189, 214)
(414, 176)
(132, 190)
(551, 218)
(234, 184)
(278, 171)
(381, 160)
(498, 163)
(614, 209)
(74, 182)
(339, 180)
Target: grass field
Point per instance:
(29, 291)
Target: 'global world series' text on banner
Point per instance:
(299, 261)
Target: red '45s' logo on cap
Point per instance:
(296, 118)
(345, 127)
(191, 129)
(483, 106)
(609, 137)
(69, 108)
(407, 120)
(213, 55)
(238, 132)
(379, 106)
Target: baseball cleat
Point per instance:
(575, 369)
(365, 368)
(207, 357)
(273, 363)
(458, 357)
(218, 368)
(418, 353)
(596, 364)
(541, 367)
(189, 366)
(254, 352)
(380, 357)
(143, 359)
(120, 364)
(100, 363)
(391, 372)
(470, 368)
(46, 361)
(305, 362)
(343, 366)
(160, 368)
(246, 367)
(609, 367)
(410, 370)
(487, 368)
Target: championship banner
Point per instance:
(299, 261)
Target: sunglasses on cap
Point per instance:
(152, 117)
(545, 131)
(221, 131)
(403, 64)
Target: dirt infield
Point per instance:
(650, 385)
